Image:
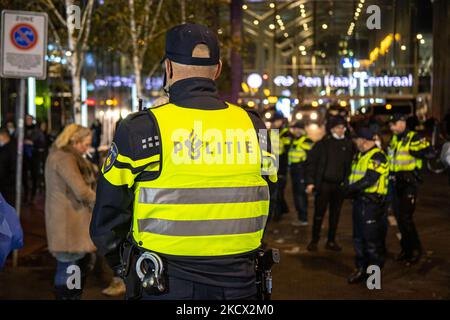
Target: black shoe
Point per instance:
(402, 256)
(333, 246)
(358, 276)
(312, 246)
(415, 257)
(64, 293)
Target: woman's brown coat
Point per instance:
(70, 197)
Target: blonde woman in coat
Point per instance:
(70, 196)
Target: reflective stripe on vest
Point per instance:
(202, 195)
(202, 227)
(297, 151)
(285, 140)
(280, 142)
(360, 167)
(210, 198)
(399, 156)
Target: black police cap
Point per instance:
(364, 132)
(397, 117)
(336, 121)
(182, 39)
(277, 116)
(298, 124)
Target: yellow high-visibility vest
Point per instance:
(210, 198)
(281, 143)
(400, 158)
(298, 149)
(365, 162)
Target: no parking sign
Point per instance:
(23, 44)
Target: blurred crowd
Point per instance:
(62, 167)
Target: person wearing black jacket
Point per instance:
(33, 147)
(8, 153)
(327, 167)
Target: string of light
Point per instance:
(357, 13)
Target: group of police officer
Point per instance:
(376, 182)
(177, 227)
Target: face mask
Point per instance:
(337, 137)
(11, 131)
(378, 144)
(2, 144)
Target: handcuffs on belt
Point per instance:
(149, 269)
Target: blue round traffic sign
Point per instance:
(24, 36)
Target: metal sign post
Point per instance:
(20, 138)
(23, 50)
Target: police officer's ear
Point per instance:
(219, 70)
(169, 70)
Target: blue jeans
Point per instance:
(68, 281)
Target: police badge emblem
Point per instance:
(110, 158)
(376, 164)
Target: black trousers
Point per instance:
(180, 289)
(368, 233)
(330, 197)
(282, 204)
(299, 192)
(404, 205)
(63, 273)
(30, 173)
(279, 205)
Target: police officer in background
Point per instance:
(173, 224)
(280, 147)
(327, 168)
(298, 152)
(406, 151)
(367, 186)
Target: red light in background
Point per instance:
(90, 102)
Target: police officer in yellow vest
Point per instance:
(183, 200)
(406, 151)
(280, 147)
(367, 185)
(298, 152)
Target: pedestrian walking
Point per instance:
(70, 197)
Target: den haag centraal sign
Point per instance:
(351, 82)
